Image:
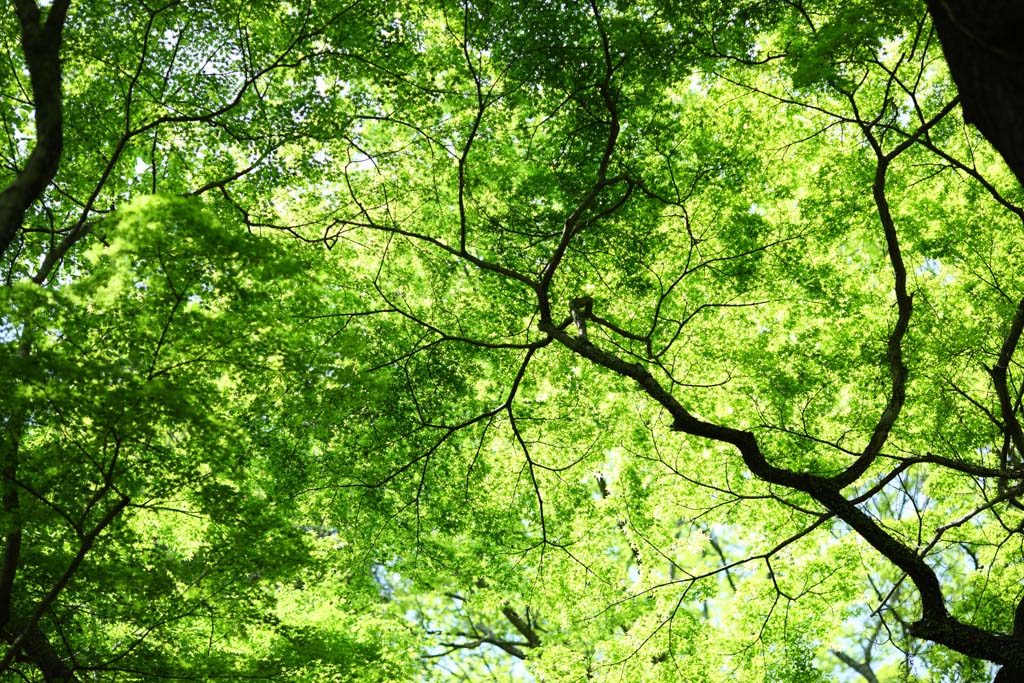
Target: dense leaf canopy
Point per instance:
(533, 341)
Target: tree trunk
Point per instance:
(40, 42)
(982, 43)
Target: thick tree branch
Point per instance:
(894, 348)
(575, 222)
(898, 371)
(10, 504)
(936, 624)
(999, 380)
(26, 634)
(40, 43)
(512, 647)
(12, 539)
(522, 625)
(863, 668)
(38, 650)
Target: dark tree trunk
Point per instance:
(40, 42)
(984, 48)
(982, 41)
(1009, 675)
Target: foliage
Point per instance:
(431, 340)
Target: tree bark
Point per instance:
(983, 48)
(40, 43)
(981, 40)
(39, 651)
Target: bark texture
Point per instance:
(40, 43)
(983, 45)
(982, 41)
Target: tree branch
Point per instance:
(40, 43)
(999, 379)
(522, 625)
(860, 667)
(935, 624)
(26, 635)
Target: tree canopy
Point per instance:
(531, 341)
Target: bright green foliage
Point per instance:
(148, 385)
(294, 385)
